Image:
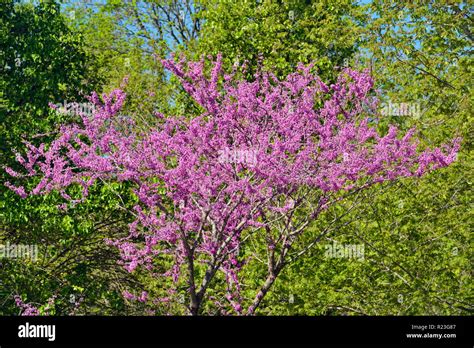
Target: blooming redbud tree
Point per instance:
(264, 157)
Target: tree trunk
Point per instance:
(261, 293)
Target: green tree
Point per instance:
(41, 61)
(284, 33)
(44, 60)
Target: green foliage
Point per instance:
(284, 33)
(43, 60)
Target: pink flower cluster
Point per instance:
(27, 309)
(129, 296)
